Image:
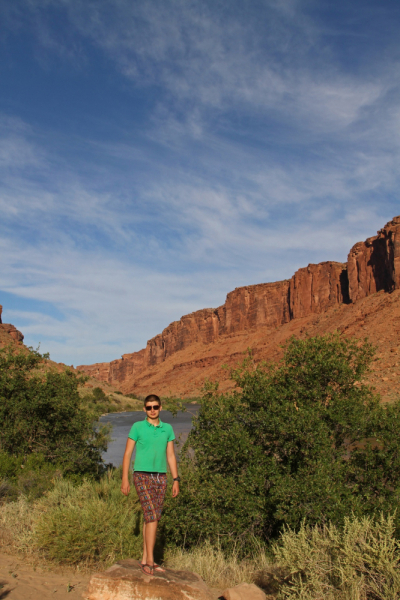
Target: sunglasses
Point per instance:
(152, 407)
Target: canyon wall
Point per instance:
(372, 266)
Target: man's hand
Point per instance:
(125, 487)
(175, 489)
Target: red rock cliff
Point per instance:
(316, 288)
(372, 266)
(272, 304)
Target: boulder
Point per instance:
(12, 331)
(244, 591)
(126, 581)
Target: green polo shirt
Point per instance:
(151, 445)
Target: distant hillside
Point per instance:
(10, 336)
(359, 297)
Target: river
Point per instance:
(122, 422)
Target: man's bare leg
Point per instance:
(149, 540)
(145, 553)
(144, 558)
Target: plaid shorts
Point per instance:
(151, 491)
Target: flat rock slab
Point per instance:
(244, 591)
(126, 581)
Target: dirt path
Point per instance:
(19, 581)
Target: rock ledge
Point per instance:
(126, 581)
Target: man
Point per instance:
(154, 442)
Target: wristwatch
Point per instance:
(177, 478)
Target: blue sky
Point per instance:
(156, 154)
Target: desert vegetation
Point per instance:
(291, 481)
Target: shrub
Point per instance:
(222, 492)
(360, 560)
(41, 413)
(172, 404)
(221, 570)
(77, 524)
(99, 395)
(301, 440)
(30, 476)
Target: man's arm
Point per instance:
(125, 487)
(173, 467)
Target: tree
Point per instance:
(302, 440)
(41, 413)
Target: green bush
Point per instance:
(173, 404)
(304, 439)
(89, 523)
(41, 413)
(30, 476)
(358, 561)
(99, 395)
(222, 492)
(83, 524)
(10, 466)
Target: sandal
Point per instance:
(151, 567)
(155, 566)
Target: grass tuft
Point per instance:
(220, 570)
(360, 561)
(88, 524)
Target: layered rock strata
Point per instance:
(372, 266)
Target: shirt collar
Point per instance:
(161, 424)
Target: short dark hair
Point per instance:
(152, 398)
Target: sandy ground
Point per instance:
(19, 581)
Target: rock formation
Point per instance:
(372, 266)
(244, 591)
(125, 581)
(316, 288)
(10, 329)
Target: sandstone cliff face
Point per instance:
(312, 289)
(244, 308)
(250, 306)
(316, 288)
(372, 266)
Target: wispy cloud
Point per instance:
(255, 150)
